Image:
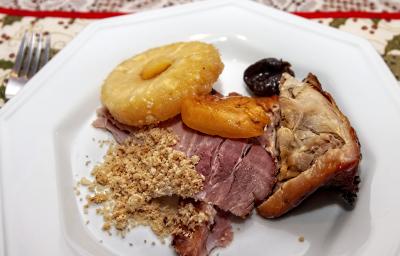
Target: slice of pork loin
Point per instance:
(254, 177)
(238, 173)
(318, 147)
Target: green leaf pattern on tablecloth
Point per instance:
(2, 95)
(6, 64)
(336, 23)
(392, 55)
(393, 44)
(376, 21)
(393, 61)
(9, 20)
(384, 35)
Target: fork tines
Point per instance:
(33, 53)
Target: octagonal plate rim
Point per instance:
(71, 49)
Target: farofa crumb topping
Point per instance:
(141, 182)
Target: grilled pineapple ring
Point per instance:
(149, 87)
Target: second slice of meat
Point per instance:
(237, 173)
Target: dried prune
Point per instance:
(263, 77)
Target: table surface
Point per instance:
(377, 21)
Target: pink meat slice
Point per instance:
(194, 143)
(222, 174)
(254, 178)
(237, 173)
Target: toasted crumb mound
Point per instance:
(145, 181)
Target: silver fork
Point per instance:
(33, 54)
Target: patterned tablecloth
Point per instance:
(376, 20)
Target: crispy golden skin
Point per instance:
(229, 117)
(317, 144)
(149, 87)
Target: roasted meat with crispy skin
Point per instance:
(316, 144)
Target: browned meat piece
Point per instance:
(221, 234)
(317, 145)
(205, 238)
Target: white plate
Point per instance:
(45, 133)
